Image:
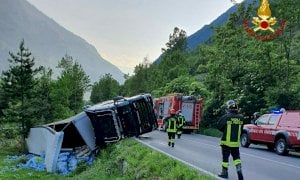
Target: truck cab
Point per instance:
(122, 117)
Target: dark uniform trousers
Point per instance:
(234, 151)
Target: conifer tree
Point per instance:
(17, 85)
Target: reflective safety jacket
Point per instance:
(172, 123)
(231, 125)
(181, 121)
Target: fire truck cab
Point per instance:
(190, 106)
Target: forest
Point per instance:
(259, 74)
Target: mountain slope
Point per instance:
(47, 40)
(206, 32)
(202, 35)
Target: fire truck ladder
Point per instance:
(197, 115)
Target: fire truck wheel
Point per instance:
(245, 140)
(281, 147)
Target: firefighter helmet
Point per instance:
(231, 105)
(179, 112)
(172, 111)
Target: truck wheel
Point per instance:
(245, 140)
(281, 147)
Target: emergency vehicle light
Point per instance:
(278, 111)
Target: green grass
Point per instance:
(127, 159)
(8, 170)
(210, 132)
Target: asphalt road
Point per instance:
(204, 153)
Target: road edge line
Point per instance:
(187, 163)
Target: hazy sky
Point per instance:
(126, 31)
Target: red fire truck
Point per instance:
(190, 106)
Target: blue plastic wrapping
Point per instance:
(66, 163)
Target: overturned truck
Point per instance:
(122, 117)
(109, 121)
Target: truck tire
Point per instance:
(245, 140)
(281, 147)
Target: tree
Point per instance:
(68, 90)
(149, 77)
(3, 100)
(232, 65)
(18, 84)
(177, 41)
(173, 61)
(261, 74)
(140, 81)
(186, 85)
(106, 88)
(42, 101)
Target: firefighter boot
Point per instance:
(224, 173)
(178, 136)
(169, 143)
(239, 171)
(172, 144)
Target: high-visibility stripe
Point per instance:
(240, 127)
(181, 121)
(230, 144)
(225, 164)
(171, 140)
(228, 132)
(237, 161)
(235, 142)
(171, 125)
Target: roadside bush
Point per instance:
(210, 132)
(11, 146)
(9, 133)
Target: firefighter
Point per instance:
(255, 117)
(171, 127)
(231, 124)
(181, 122)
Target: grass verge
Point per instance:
(8, 169)
(127, 159)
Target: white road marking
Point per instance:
(189, 164)
(282, 163)
(258, 157)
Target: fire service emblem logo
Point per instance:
(264, 22)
